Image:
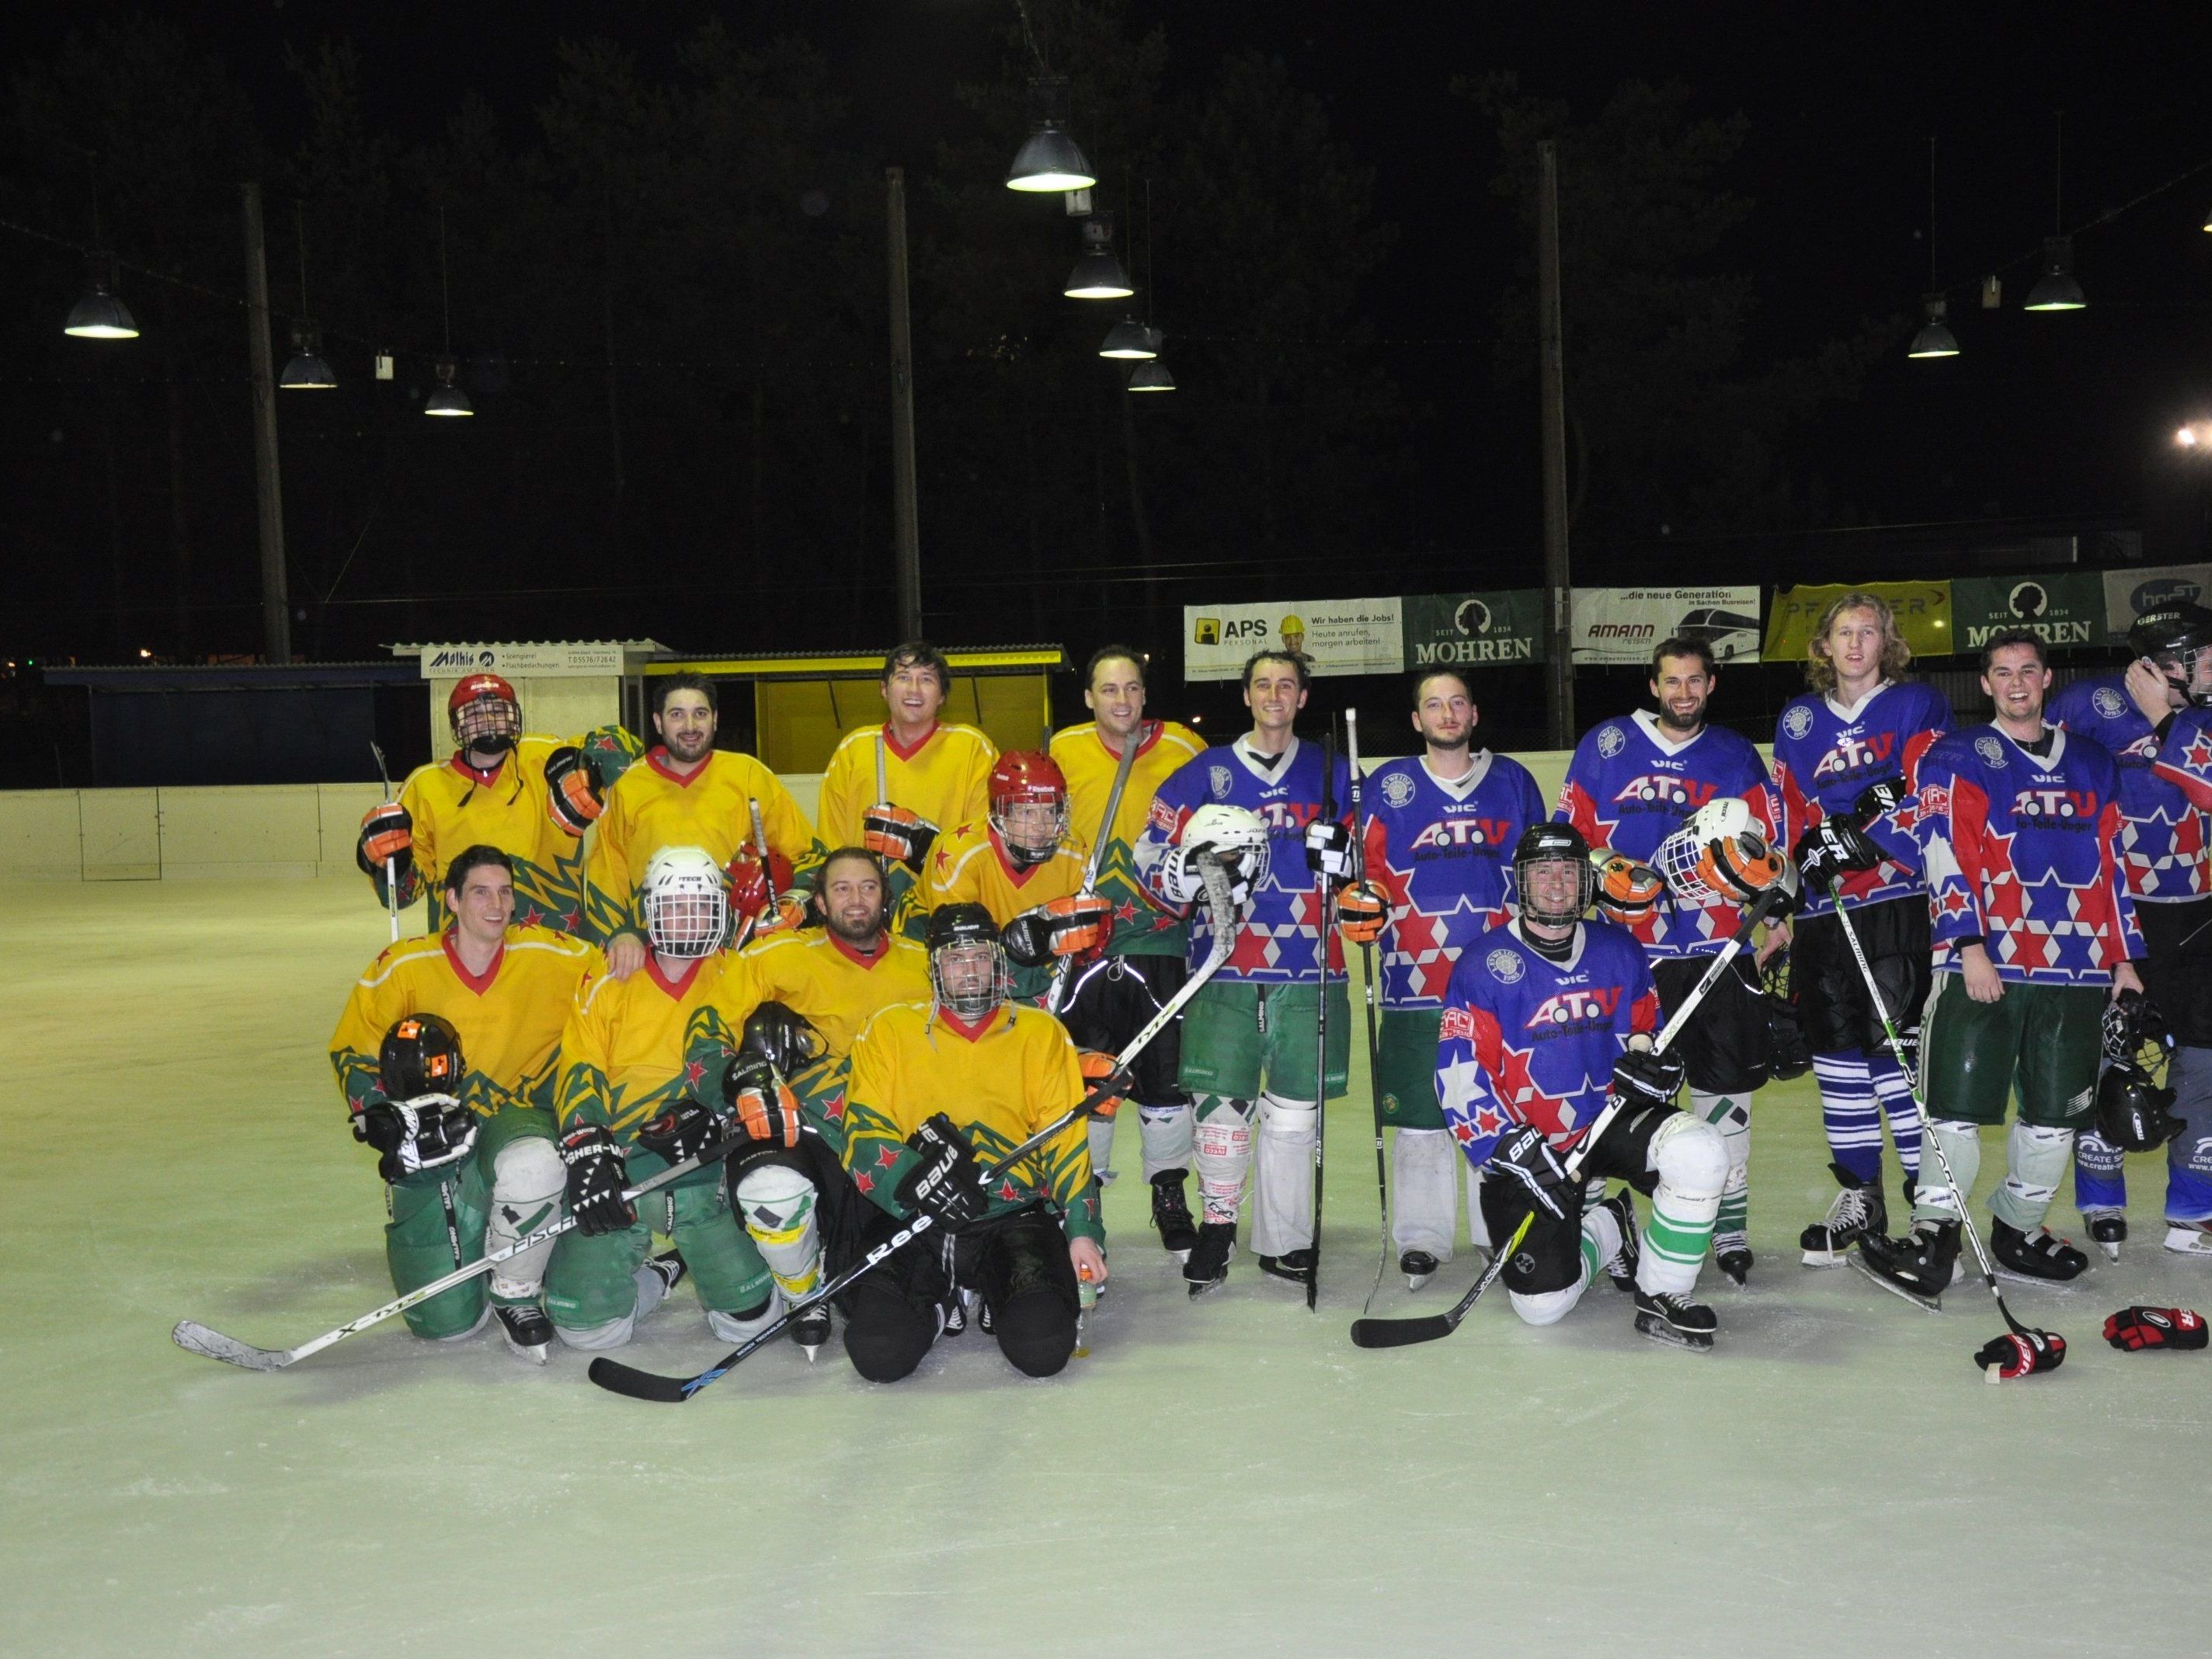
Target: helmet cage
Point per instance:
(970, 977)
(1585, 886)
(487, 722)
(686, 911)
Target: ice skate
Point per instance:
(529, 1333)
(2108, 1231)
(1675, 1320)
(1732, 1255)
(1918, 1266)
(1207, 1267)
(1418, 1266)
(1855, 1214)
(2189, 1237)
(668, 1264)
(2036, 1258)
(1171, 1214)
(1296, 1266)
(1620, 1266)
(810, 1328)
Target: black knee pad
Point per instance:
(1036, 1331)
(886, 1334)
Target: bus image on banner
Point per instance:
(1727, 634)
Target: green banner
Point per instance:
(1923, 609)
(2066, 608)
(1473, 630)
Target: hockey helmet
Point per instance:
(1028, 796)
(1553, 842)
(1626, 887)
(788, 1041)
(685, 907)
(421, 1055)
(484, 712)
(967, 970)
(2133, 1111)
(1719, 856)
(1236, 835)
(2181, 631)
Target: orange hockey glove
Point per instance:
(1363, 911)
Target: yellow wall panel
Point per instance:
(40, 837)
(266, 829)
(121, 831)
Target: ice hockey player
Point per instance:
(1545, 1019)
(2134, 714)
(892, 788)
(1632, 784)
(686, 792)
(938, 1089)
(2019, 825)
(1439, 837)
(1860, 725)
(628, 1109)
(1249, 1032)
(505, 990)
(1105, 1003)
(531, 797)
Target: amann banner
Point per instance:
(1621, 624)
(1337, 636)
(1474, 630)
(2128, 593)
(1924, 614)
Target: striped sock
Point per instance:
(1896, 1096)
(1848, 1114)
(1675, 1246)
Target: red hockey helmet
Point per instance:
(485, 711)
(1027, 793)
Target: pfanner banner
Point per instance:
(1622, 624)
(1473, 630)
(2128, 593)
(1337, 636)
(2066, 608)
(1924, 614)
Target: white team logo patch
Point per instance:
(1223, 783)
(1505, 966)
(1797, 722)
(1611, 741)
(1397, 788)
(1990, 750)
(2107, 702)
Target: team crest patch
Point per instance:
(1222, 783)
(1990, 750)
(1397, 788)
(1611, 740)
(2107, 703)
(1505, 966)
(1797, 722)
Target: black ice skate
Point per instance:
(1732, 1255)
(668, 1264)
(1675, 1320)
(1857, 1213)
(529, 1333)
(1171, 1214)
(1297, 1266)
(2108, 1231)
(1621, 1268)
(1418, 1266)
(1207, 1267)
(810, 1328)
(2033, 1258)
(1918, 1266)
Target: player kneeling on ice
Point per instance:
(1547, 1018)
(938, 1089)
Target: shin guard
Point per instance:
(1221, 1149)
(527, 1180)
(2035, 1158)
(1692, 1163)
(1282, 1185)
(1423, 1191)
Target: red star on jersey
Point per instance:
(1125, 911)
(1250, 952)
(1008, 1192)
(865, 1182)
(532, 918)
(574, 921)
(693, 1071)
(887, 1156)
(2197, 757)
(1516, 1086)
(835, 1108)
(1954, 902)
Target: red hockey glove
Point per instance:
(2139, 1328)
(2022, 1355)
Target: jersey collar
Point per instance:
(1148, 734)
(675, 987)
(979, 1031)
(2058, 743)
(479, 774)
(477, 983)
(1460, 788)
(902, 750)
(1665, 745)
(866, 959)
(1282, 767)
(1850, 712)
(1014, 870)
(1574, 953)
(657, 758)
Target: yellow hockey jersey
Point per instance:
(969, 866)
(942, 778)
(623, 1056)
(999, 1082)
(455, 806)
(654, 806)
(509, 1019)
(1141, 927)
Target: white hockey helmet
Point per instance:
(1719, 856)
(686, 907)
(1236, 835)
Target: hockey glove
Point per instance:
(1181, 883)
(1832, 848)
(1329, 850)
(388, 832)
(574, 799)
(1363, 911)
(1070, 927)
(1646, 1076)
(892, 832)
(782, 1039)
(2022, 1355)
(426, 1133)
(595, 1169)
(2136, 1328)
(1906, 1052)
(762, 893)
(683, 1130)
(1626, 888)
(1097, 1070)
(944, 1182)
(1523, 1155)
(769, 1114)
(1878, 800)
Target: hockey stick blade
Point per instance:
(195, 1338)
(618, 1378)
(1400, 1333)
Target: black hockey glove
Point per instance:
(1646, 1076)
(944, 1182)
(1907, 1051)
(684, 1130)
(1070, 927)
(1329, 850)
(2133, 1329)
(595, 1181)
(1878, 800)
(1832, 848)
(424, 1134)
(1523, 1155)
(573, 796)
(892, 832)
(2022, 1355)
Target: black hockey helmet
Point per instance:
(786, 1040)
(956, 927)
(1553, 842)
(2132, 1109)
(2179, 630)
(421, 1055)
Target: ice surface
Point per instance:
(1228, 1475)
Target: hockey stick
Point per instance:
(1367, 973)
(1063, 971)
(618, 1378)
(1324, 936)
(391, 874)
(1402, 1333)
(1927, 1135)
(760, 846)
(195, 1337)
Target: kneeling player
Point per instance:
(937, 1087)
(1538, 1012)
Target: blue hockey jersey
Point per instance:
(1443, 852)
(2022, 854)
(1825, 754)
(2162, 840)
(1630, 785)
(1525, 1040)
(1275, 940)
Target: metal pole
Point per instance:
(1551, 376)
(907, 525)
(268, 480)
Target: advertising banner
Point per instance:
(1924, 614)
(2058, 609)
(1621, 624)
(2128, 593)
(1474, 630)
(1337, 636)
